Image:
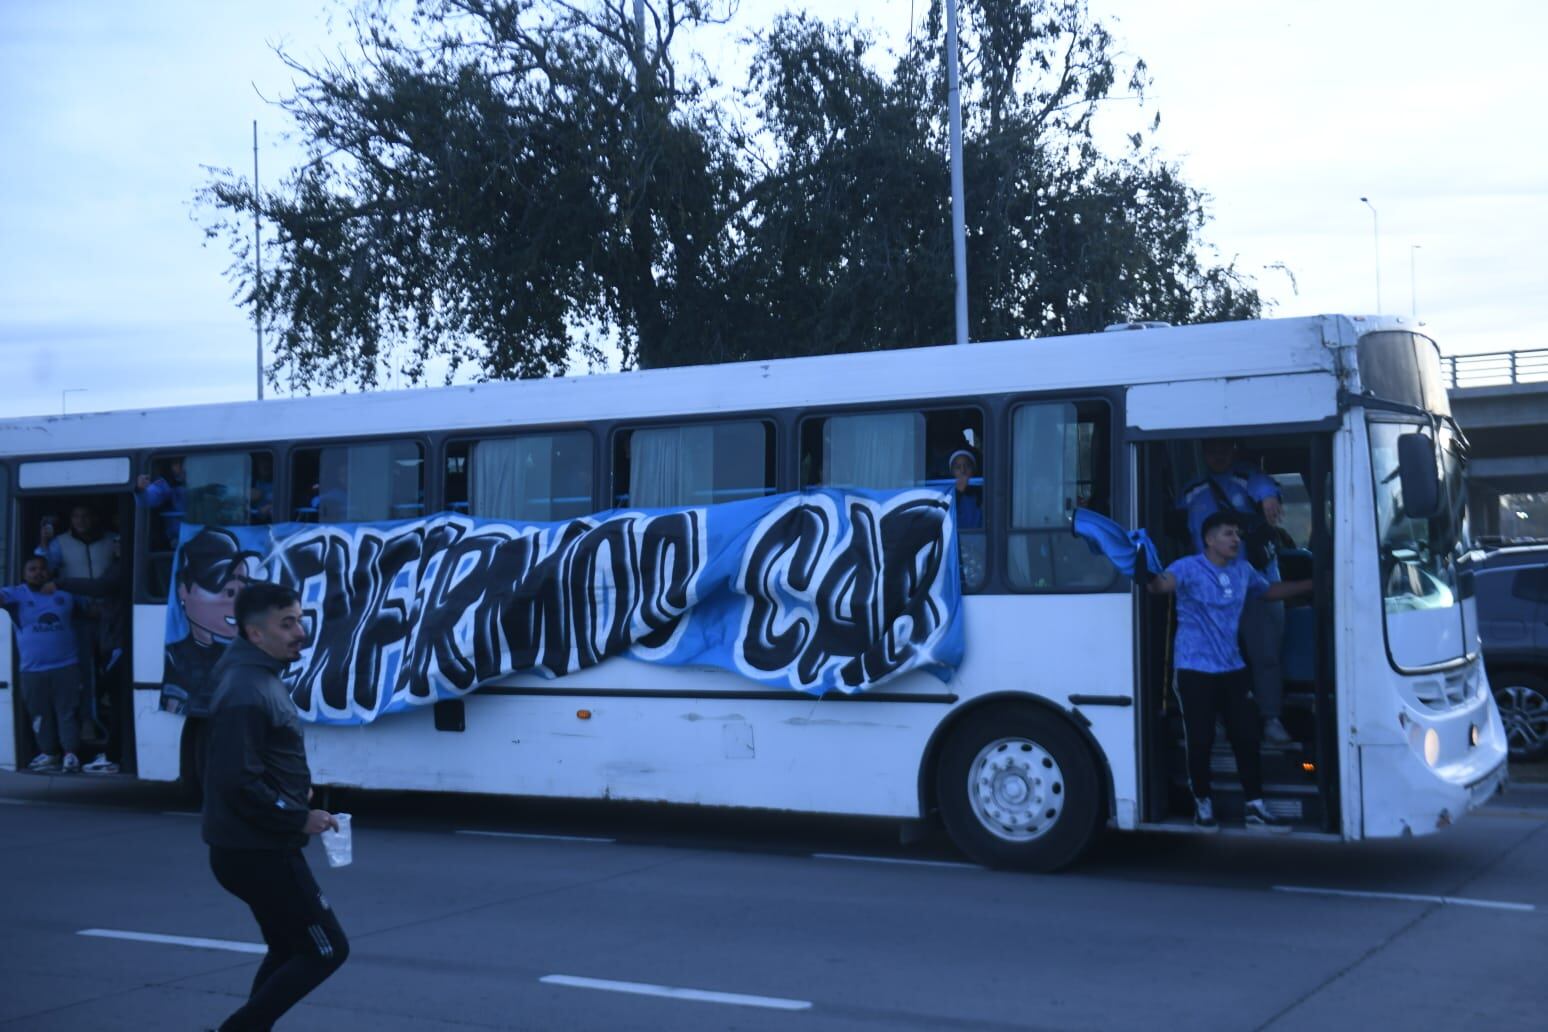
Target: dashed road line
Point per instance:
(1409, 897)
(229, 945)
(895, 860)
(535, 835)
(677, 992)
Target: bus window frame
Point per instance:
(449, 441)
(988, 409)
(775, 428)
(143, 464)
(429, 486)
(1115, 452)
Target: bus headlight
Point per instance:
(1431, 747)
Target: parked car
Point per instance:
(1511, 584)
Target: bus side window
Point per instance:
(1059, 463)
(354, 483)
(907, 448)
(660, 467)
(220, 489)
(5, 512)
(538, 478)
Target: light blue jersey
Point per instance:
(1209, 611)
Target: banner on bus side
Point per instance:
(817, 591)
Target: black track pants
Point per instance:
(1201, 697)
(306, 943)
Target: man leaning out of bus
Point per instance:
(1211, 678)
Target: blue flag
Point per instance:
(1122, 547)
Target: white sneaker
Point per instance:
(1274, 732)
(44, 762)
(100, 765)
(1204, 815)
(1260, 819)
(72, 763)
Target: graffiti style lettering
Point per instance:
(849, 612)
(812, 592)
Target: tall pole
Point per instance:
(958, 233)
(1376, 238)
(257, 265)
(1413, 294)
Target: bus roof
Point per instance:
(1158, 355)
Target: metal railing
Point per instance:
(1496, 368)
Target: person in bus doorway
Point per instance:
(213, 568)
(257, 816)
(50, 674)
(1210, 678)
(1241, 488)
(85, 562)
(970, 513)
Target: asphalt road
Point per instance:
(582, 917)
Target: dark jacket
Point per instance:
(256, 779)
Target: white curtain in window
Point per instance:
(217, 485)
(671, 466)
(1046, 449)
(878, 450)
(512, 479)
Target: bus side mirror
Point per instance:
(1417, 474)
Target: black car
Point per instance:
(1512, 590)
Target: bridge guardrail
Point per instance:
(1496, 368)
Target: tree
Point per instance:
(510, 185)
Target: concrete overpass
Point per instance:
(1501, 401)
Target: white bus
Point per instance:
(1058, 721)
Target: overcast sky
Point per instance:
(1284, 113)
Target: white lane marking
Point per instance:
(16, 802)
(533, 835)
(181, 813)
(1409, 897)
(677, 993)
(176, 940)
(894, 860)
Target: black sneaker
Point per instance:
(1260, 819)
(1204, 815)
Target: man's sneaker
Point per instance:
(1204, 815)
(72, 763)
(1260, 819)
(1274, 732)
(100, 765)
(44, 762)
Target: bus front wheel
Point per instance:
(1018, 788)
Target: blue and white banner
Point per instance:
(819, 591)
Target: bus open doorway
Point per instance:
(1300, 773)
(86, 538)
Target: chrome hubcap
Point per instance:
(1016, 789)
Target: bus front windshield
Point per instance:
(1418, 554)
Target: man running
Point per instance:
(257, 788)
(1211, 678)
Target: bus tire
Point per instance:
(1017, 788)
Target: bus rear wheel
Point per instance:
(1018, 788)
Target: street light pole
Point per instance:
(65, 394)
(1413, 295)
(954, 114)
(1376, 238)
(257, 264)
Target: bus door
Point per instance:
(1300, 775)
(10, 706)
(90, 500)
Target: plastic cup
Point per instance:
(337, 843)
